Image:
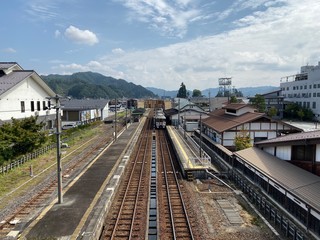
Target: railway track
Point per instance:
(149, 202)
(25, 210)
(126, 219)
(174, 218)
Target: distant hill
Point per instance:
(162, 92)
(94, 85)
(246, 91)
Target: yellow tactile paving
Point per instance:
(182, 149)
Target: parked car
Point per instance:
(68, 126)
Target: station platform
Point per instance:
(87, 199)
(188, 153)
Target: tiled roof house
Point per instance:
(23, 94)
(224, 124)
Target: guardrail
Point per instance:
(25, 158)
(204, 159)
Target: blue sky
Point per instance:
(161, 43)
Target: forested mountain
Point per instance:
(94, 85)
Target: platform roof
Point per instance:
(292, 138)
(298, 181)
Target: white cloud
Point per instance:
(169, 18)
(9, 50)
(118, 51)
(40, 9)
(265, 47)
(81, 36)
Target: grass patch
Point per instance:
(21, 175)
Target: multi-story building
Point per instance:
(304, 88)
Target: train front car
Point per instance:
(159, 119)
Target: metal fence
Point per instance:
(272, 213)
(25, 158)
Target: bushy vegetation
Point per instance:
(242, 140)
(19, 137)
(259, 103)
(295, 111)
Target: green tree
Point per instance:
(237, 92)
(196, 93)
(182, 93)
(300, 114)
(295, 111)
(259, 103)
(233, 99)
(308, 114)
(242, 140)
(20, 136)
(272, 112)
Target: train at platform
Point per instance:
(159, 119)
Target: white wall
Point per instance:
(318, 153)
(27, 91)
(284, 152)
(269, 150)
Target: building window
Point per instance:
(305, 86)
(23, 108)
(303, 153)
(310, 86)
(318, 94)
(301, 87)
(49, 104)
(308, 104)
(314, 105)
(287, 88)
(32, 106)
(314, 85)
(38, 106)
(314, 94)
(44, 107)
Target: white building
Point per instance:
(304, 88)
(23, 94)
(223, 125)
(81, 111)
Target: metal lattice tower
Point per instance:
(224, 85)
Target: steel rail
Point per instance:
(145, 135)
(178, 188)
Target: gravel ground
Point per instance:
(210, 220)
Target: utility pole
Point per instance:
(209, 101)
(179, 113)
(185, 124)
(200, 145)
(115, 121)
(127, 116)
(58, 132)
